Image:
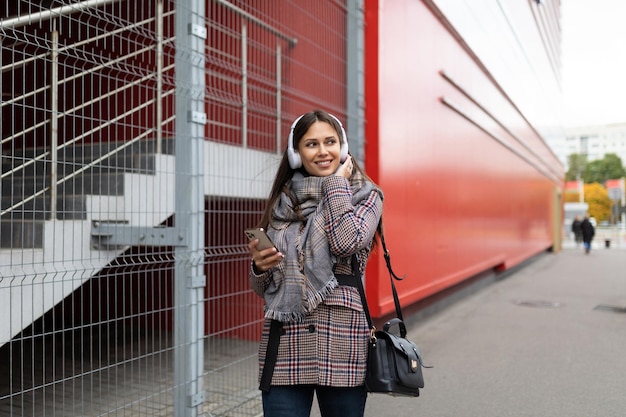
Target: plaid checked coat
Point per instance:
(329, 347)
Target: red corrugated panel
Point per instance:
(465, 191)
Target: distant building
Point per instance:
(595, 142)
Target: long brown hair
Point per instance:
(285, 172)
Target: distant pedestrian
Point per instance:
(578, 233)
(588, 231)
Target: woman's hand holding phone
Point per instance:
(264, 254)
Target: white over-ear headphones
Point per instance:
(295, 161)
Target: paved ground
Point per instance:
(547, 340)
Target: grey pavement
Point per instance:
(547, 340)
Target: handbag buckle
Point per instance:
(373, 335)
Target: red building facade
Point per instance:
(470, 183)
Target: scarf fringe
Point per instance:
(298, 317)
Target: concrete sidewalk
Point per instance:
(547, 340)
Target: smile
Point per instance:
(323, 163)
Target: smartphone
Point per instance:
(264, 240)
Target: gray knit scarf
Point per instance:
(305, 277)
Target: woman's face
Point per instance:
(320, 150)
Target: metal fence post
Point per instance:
(191, 35)
(355, 78)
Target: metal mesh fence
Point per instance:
(102, 288)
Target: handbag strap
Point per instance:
(392, 276)
(359, 286)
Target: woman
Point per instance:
(322, 213)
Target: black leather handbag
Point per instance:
(394, 363)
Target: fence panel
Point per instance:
(132, 159)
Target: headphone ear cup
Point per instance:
(295, 161)
(344, 147)
(294, 158)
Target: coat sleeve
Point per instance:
(259, 282)
(349, 228)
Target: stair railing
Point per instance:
(55, 82)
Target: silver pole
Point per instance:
(159, 77)
(244, 83)
(54, 120)
(191, 33)
(355, 88)
(1, 89)
(279, 97)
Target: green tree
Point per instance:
(577, 164)
(608, 168)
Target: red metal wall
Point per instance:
(463, 193)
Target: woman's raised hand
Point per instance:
(345, 169)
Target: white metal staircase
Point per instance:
(47, 254)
